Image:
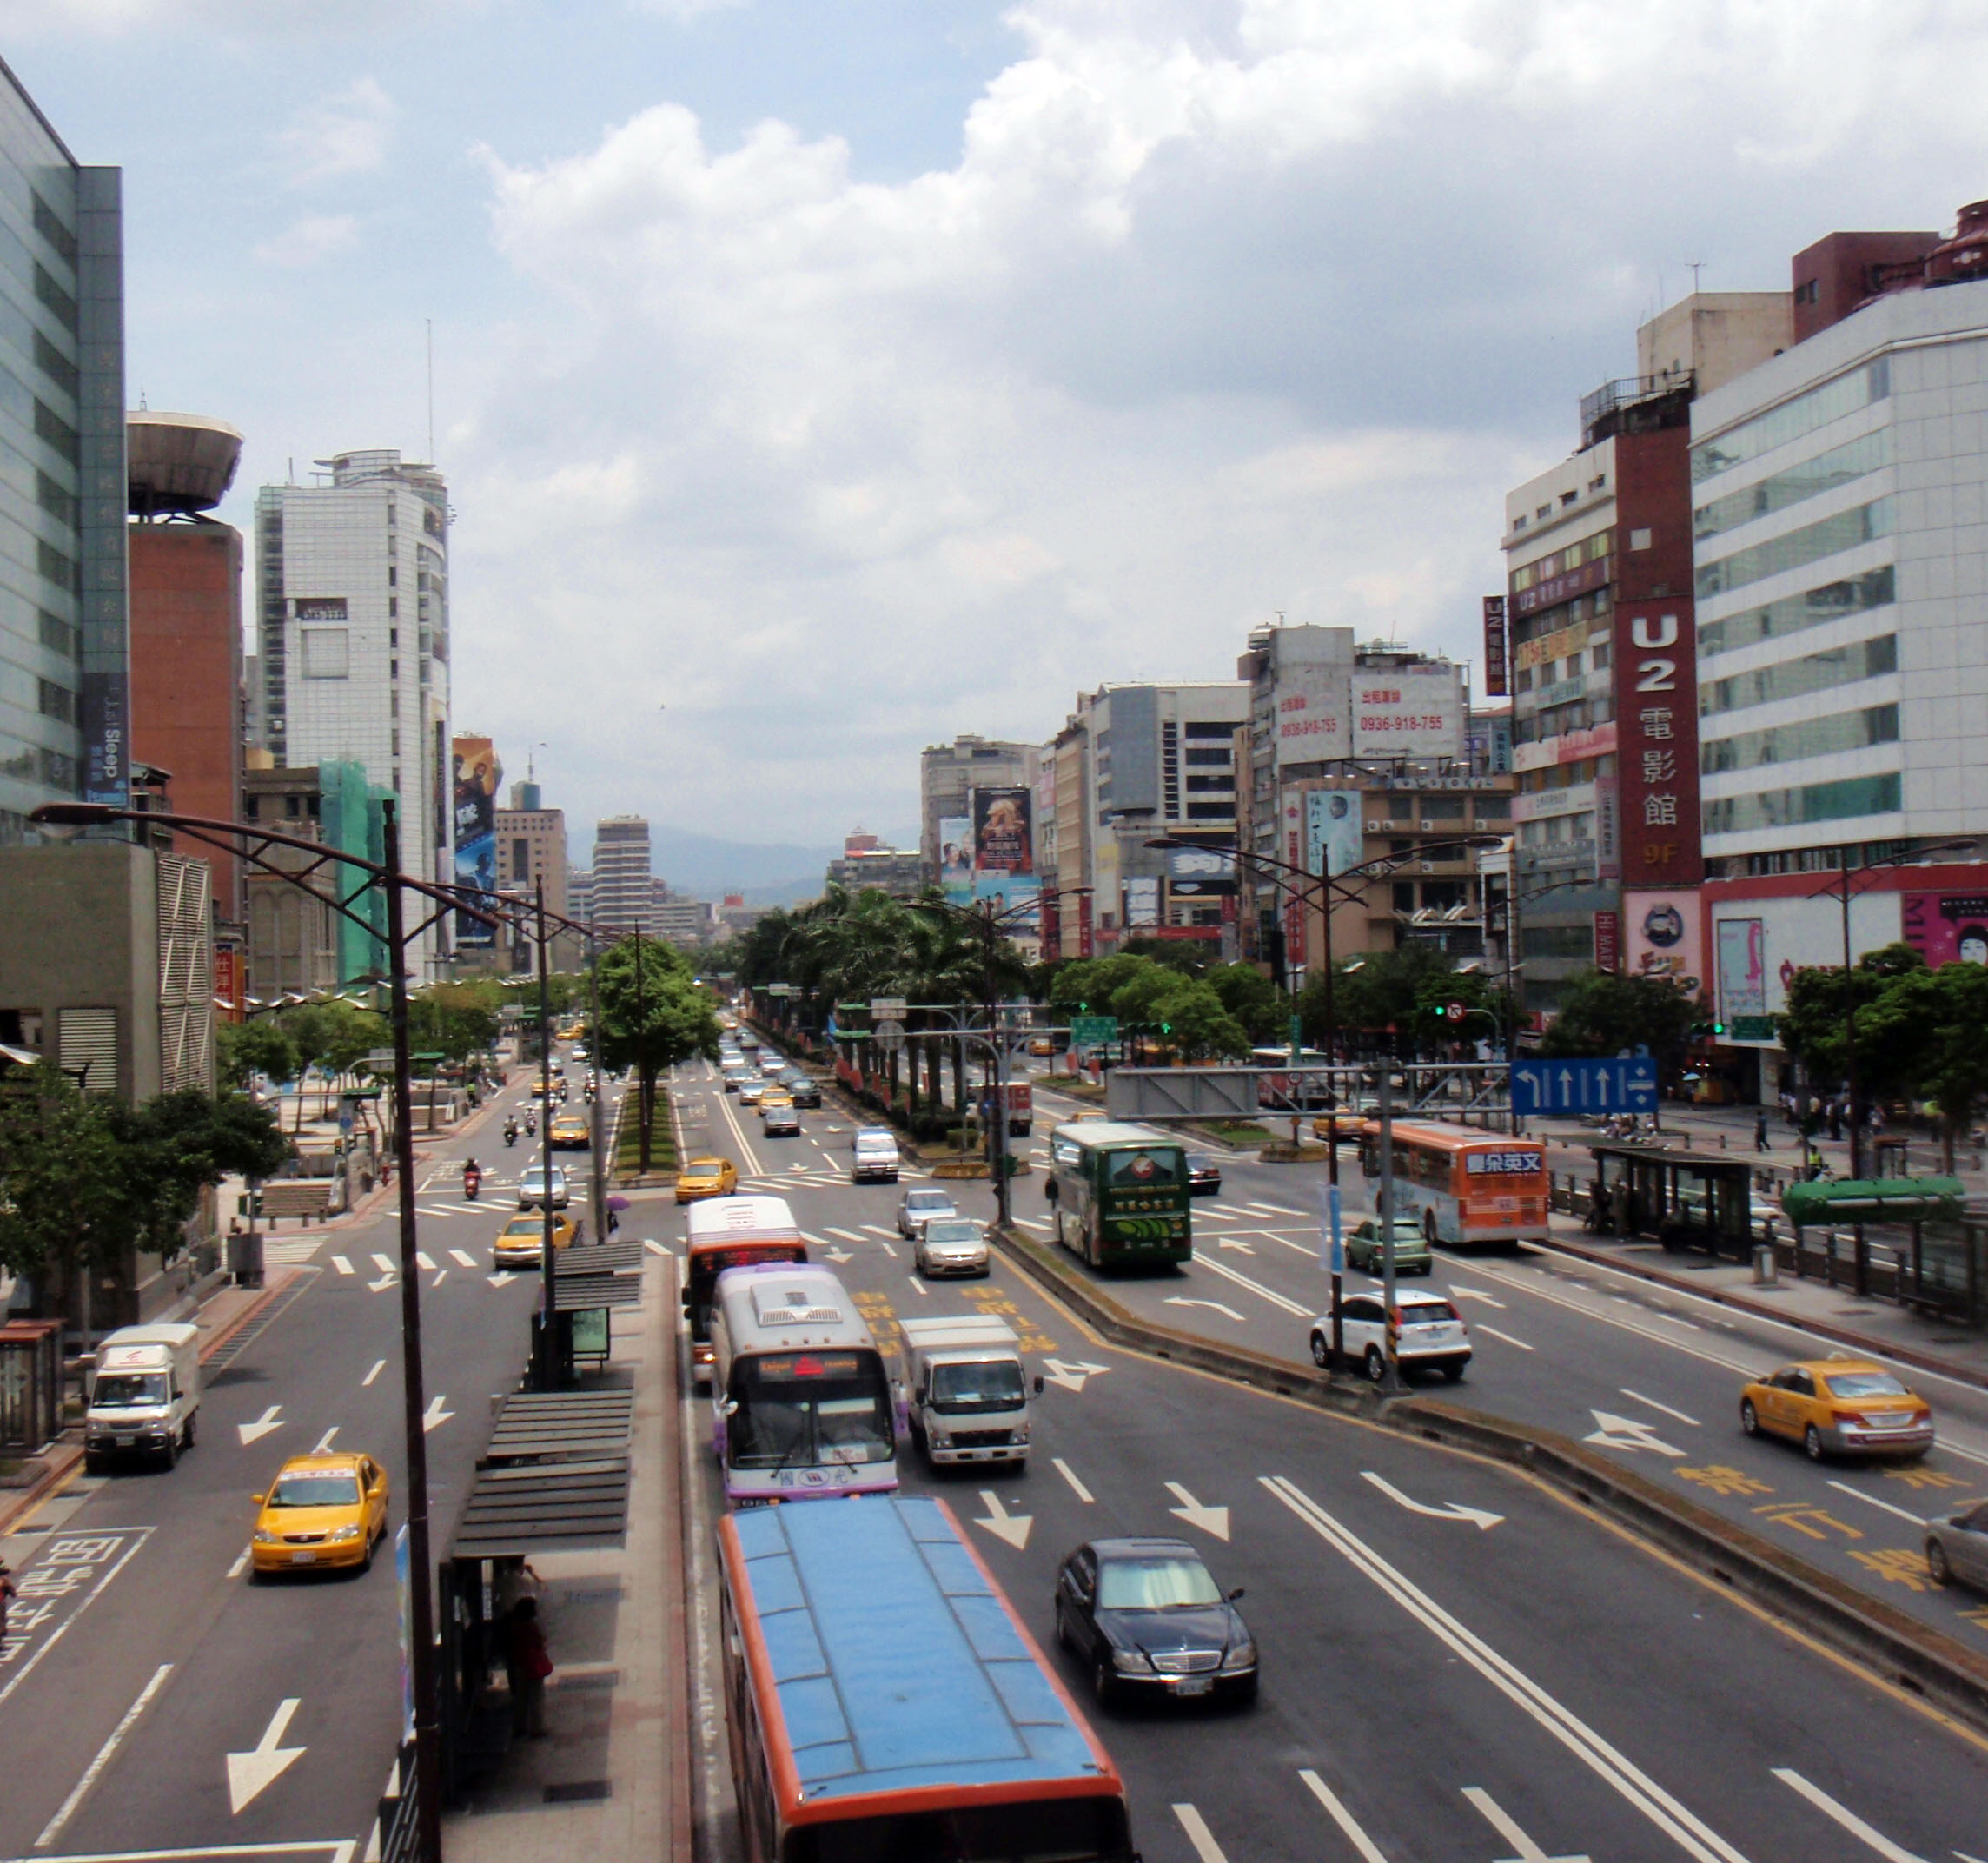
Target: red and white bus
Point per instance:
(1465, 1187)
(730, 1232)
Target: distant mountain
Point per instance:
(777, 874)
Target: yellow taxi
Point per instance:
(775, 1096)
(323, 1510)
(1839, 1407)
(1042, 1044)
(521, 1242)
(570, 1129)
(703, 1177)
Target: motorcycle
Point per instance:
(510, 1133)
(531, 1126)
(472, 1183)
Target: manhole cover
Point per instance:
(574, 1789)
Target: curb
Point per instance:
(1759, 1310)
(274, 1282)
(61, 1462)
(1924, 1662)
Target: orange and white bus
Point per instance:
(1465, 1187)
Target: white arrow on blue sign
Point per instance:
(1613, 1086)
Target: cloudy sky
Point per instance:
(818, 378)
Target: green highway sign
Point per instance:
(1752, 1027)
(1093, 1032)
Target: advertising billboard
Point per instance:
(1408, 712)
(1311, 713)
(477, 775)
(1497, 656)
(1947, 927)
(1742, 968)
(956, 857)
(1664, 937)
(1656, 674)
(1141, 904)
(1003, 831)
(1333, 832)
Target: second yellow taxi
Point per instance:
(569, 1130)
(703, 1177)
(1839, 1407)
(521, 1242)
(323, 1510)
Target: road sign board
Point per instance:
(779, 989)
(890, 1034)
(887, 1006)
(1456, 1013)
(1090, 1032)
(1614, 1086)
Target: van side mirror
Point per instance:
(1038, 1384)
(1051, 1192)
(258, 1499)
(1235, 1594)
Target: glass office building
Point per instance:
(64, 660)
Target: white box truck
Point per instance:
(144, 1394)
(966, 1394)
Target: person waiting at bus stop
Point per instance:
(526, 1664)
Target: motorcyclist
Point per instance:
(472, 1178)
(511, 1130)
(531, 1123)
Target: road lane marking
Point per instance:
(436, 1413)
(1012, 1528)
(1682, 1826)
(378, 1365)
(1370, 1851)
(1077, 1487)
(385, 1264)
(1506, 1826)
(1215, 1306)
(1474, 1293)
(919, 1285)
(1256, 1287)
(340, 1263)
(241, 1559)
(1199, 1835)
(323, 1446)
(1878, 1841)
(91, 1772)
(249, 1774)
(1613, 1432)
(270, 1419)
(1449, 1511)
(1275, 1209)
(440, 1278)
(109, 1549)
(871, 1229)
(463, 1258)
(1071, 1373)
(1210, 1519)
(1665, 1407)
(1507, 1337)
(1858, 1494)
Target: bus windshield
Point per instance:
(802, 1409)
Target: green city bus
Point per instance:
(1119, 1194)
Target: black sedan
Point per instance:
(806, 1093)
(1147, 1618)
(1203, 1176)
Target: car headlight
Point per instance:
(341, 1534)
(1019, 1434)
(1241, 1655)
(264, 1537)
(1132, 1662)
(940, 1440)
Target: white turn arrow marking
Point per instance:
(503, 1277)
(250, 1773)
(382, 1284)
(836, 1255)
(422, 1257)
(1476, 1293)
(436, 1413)
(1071, 1372)
(270, 1419)
(1224, 1242)
(1012, 1528)
(1625, 1433)
(1175, 1299)
(340, 1263)
(1452, 1511)
(384, 1264)
(463, 1258)
(1210, 1519)
(322, 1447)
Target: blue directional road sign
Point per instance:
(1584, 1086)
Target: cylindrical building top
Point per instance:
(179, 462)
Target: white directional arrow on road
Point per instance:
(1224, 1242)
(1177, 1300)
(1454, 1510)
(250, 1773)
(436, 1413)
(1476, 1293)
(382, 1284)
(1012, 1528)
(1625, 1433)
(270, 1419)
(836, 1255)
(1210, 1519)
(1071, 1372)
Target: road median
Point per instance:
(1897, 1648)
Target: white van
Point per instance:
(144, 1394)
(873, 1155)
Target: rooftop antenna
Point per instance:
(430, 323)
(1697, 265)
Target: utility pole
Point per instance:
(548, 1318)
(1392, 1381)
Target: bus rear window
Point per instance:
(1051, 1831)
(706, 1265)
(1137, 1170)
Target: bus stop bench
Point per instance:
(306, 1199)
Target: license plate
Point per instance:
(1195, 1684)
(303, 1559)
(124, 1442)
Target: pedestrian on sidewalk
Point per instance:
(8, 1593)
(1836, 1122)
(526, 1665)
(1761, 1130)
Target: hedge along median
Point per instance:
(1901, 1650)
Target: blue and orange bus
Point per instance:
(886, 1702)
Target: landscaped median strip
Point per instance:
(1900, 1649)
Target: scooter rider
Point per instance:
(472, 1178)
(511, 1131)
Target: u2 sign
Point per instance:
(1613, 1086)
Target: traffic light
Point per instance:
(1712, 1029)
(1166, 1028)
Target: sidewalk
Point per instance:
(611, 1781)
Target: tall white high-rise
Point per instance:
(352, 607)
(623, 900)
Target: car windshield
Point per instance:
(1865, 1384)
(704, 1168)
(121, 1391)
(316, 1490)
(1427, 1312)
(1165, 1582)
(993, 1386)
(929, 1200)
(951, 1229)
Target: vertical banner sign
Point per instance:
(1003, 838)
(1086, 946)
(1656, 712)
(1333, 833)
(1608, 941)
(477, 774)
(106, 749)
(956, 857)
(1331, 1248)
(1497, 654)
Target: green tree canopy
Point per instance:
(1811, 1027)
(1605, 1013)
(654, 1014)
(242, 1050)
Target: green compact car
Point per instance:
(1411, 1248)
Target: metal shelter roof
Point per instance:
(575, 1293)
(554, 1477)
(542, 1426)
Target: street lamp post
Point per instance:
(247, 841)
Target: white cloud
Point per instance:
(686, 10)
(307, 241)
(51, 19)
(1225, 309)
(348, 133)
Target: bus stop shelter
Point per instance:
(1682, 1199)
(1892, 1264)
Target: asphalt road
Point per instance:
(1468, 1665)
(1646, 1375)
(158, 1657)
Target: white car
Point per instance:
(918, 1207)
(531, 1188)
(1431, 1336)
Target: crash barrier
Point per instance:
(1897, 1647)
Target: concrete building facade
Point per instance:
(622, 891)
(948, 775)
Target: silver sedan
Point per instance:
(1956, 1548)
(952, 1245)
